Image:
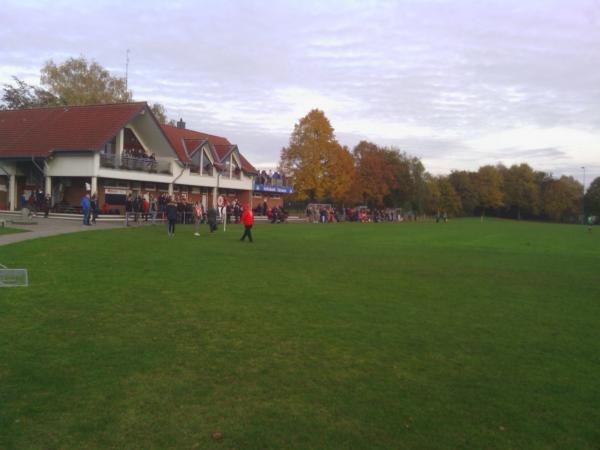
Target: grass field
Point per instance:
(429, 336)
(8, 230)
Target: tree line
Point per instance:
(322, 170)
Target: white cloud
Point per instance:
(576, 145)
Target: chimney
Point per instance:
(181, 123)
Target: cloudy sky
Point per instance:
(458, 83)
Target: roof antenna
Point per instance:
(126, 69)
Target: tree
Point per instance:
(489, 188)
(375, 173)
(432, 197)
(441, 196)
(464, 184)
(22, 95)
(417, 173)
(450, 200)
(408, 172)
(521, 190)
(341, 173)
(562, 199)
(79, 82)
(592, 198)
(160, 113)
(74, 82)
(311, 157)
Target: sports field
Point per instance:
(430, 336)
(8, 230)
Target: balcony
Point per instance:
(276, 184)
(133, 163)
(207, 172)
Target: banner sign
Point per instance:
(277, 189)
(113, 191)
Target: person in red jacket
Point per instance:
(248, 221)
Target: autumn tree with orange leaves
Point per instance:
(376, 173)
(319, 167)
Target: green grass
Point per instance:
(430, 336)
(8, 230)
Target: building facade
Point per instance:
(116, 150)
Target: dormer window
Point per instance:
(196, 163)
(205, 164)
(233, 167)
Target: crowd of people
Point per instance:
(322, 214)
(377, 215)
(209, 216)
(138, 153)
(144, 206)
(271, 178)
(329, 213)
(36, 202)
(276, 214)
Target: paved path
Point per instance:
(49, 227)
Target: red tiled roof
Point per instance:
(40, 131)
(192, 144)
(247, 167)
(220, 145)
(176, 137)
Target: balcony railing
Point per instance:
(138, 164)
(207, 172)
(271, 181)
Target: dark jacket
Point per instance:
(172, 211)
(211, 215)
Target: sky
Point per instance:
(456, 83)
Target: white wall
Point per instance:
(151, 136)
(71, 165)
(135, 175)
(245, 183)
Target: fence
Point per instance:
(133, 163)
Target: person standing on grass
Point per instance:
(211, 219)
(197, 218)
(248, 221)
(171, 216)
(85, 207)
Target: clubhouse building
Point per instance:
(119, 149)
